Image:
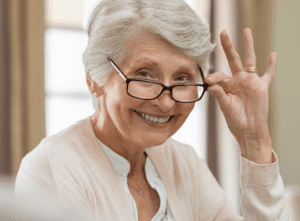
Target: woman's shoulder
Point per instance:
(177, 154)
(77, 132)
(64, 143)
(176, 148)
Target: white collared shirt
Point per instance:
(122, 167)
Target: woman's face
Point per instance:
(147, 57)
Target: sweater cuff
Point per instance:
(259, 174)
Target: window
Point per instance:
(67, 97)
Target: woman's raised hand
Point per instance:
(243, 99)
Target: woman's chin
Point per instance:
(147, 134)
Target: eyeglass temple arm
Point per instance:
(117, 69)
(202, 76)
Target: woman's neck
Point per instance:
(108, 135)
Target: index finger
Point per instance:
(233, 57)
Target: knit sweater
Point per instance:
(73, 164)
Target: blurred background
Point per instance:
(43, 89)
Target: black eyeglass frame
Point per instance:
(164, 87)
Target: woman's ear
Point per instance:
(94, 88)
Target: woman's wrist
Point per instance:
(259, 150)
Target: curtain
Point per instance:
(5, 161)
(27, 77)
(226, 17)
(222, 149)
(212, 141)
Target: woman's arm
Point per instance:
(243, 99)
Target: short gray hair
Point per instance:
(114, 23)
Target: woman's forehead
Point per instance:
(147, 42)
(150, 43)
(154, 51)
(158, 62)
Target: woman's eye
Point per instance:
(144, 74)
(182, 78)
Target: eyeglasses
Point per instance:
(145, 89)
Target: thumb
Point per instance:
(219, 94)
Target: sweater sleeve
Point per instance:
(262, 195)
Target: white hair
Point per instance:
(114, 23)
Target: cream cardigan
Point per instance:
(73, 164)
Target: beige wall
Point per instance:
(287, 117)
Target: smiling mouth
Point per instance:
(159, 120)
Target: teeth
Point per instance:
(153, 119)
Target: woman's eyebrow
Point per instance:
(152, 63)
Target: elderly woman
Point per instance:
(144, 63)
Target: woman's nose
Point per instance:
(164, 101)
